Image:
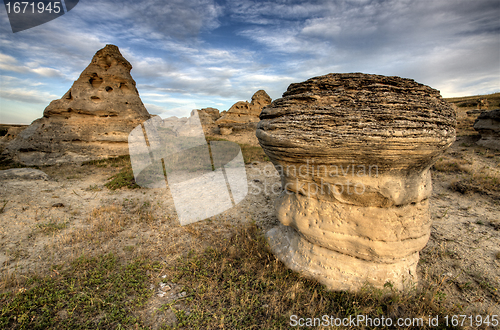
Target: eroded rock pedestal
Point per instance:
(243, 115)
(354, 152)
(91, 121)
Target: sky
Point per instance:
(192, 54)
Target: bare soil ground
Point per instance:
(51, 222)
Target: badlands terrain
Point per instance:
(83, 246)
(93, 209)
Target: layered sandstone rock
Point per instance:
(91, 121)
(207, 116)
(354, 152)
(488, 125)
(243, 115)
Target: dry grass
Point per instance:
(52, 226)
(472, 101)
(239, 284)
(92, 293)
(231, 278)
(107, 221)
(465, 122)
(471, 177)
(446, 164)
(477, 184)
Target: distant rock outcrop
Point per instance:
(354, 152)
(488, 125)
(243, 115)
(208, 116)
(91, 121)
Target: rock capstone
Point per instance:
(354, 152)
(91, 121)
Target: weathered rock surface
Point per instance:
(207, 116)
(488, 125)
(13, 131)
(11, 134)
(91, 121)
(243, 115)
(23, 174)
(354, 152)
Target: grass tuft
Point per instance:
(106, 221)
(52, 226)
(124, 178)
(452, 165)
(2, 209)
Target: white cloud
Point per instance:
(432, 42)
(28, 96)
(48, 72)
(9, 63)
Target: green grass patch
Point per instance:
(239, 284)
(477, 183)
(473, 101)
(93, 293)
(51, 226)
(124, 178)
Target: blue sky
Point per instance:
(190, 54)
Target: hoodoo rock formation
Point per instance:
(243, 115)
(208, 116)
(488, 125)
(354, 152)
(91, 121)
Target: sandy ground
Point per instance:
(47, 222)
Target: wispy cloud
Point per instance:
(9, 63)
(28, 96)
(430, 41)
